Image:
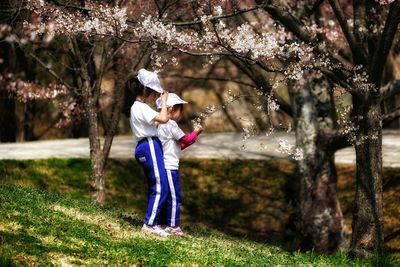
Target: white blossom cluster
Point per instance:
(351, 130)
(165, 33)
(249, 130)
(385, 2)
(59, 94)
(25, 91)
(272, 103)
(93, 18)
(210, 110)
(285, 147)
(23, 34)
(70, 111)
(330, 29)
(5, 31)
(158, 61)
(245, 40)
(216, 38)
(348, 127)
(303, 59)
(269, 99)
(360, 79)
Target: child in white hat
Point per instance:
(143, 90)
(174, 140)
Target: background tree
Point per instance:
(311, 46)
(87, 35)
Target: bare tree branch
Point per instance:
(277, 10)
(336, 140)
(388, 118)
(214, 18)
(132, 41)
(209, 78)
(202, 54)
(360, 26)
(385, 42)
(158, 8)
(390, 89)
(309, 12)
(392, 235)
(82, 8)
(336, 79)
(49, 70)
(343, 24)
(260, 82)
(230, 118)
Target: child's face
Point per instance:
(174, 114)
(151, 97)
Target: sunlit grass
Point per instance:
(243, 198)
(39, 228)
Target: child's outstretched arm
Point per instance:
(190, 138)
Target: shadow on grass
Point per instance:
(246, 198)
(42, 229)
(249, 199)
(31, 247)
(241, 198)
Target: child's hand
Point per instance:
(164, 96)
(198, 128)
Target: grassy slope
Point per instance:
(43, 228)
(243, 198)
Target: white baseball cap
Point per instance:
(173, 99)
(149, 79)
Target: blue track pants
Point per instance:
(149, 154)
(174, 199)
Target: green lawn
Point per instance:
(235, 212)
(41, 228)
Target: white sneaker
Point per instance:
(155, 229)
(174, 230)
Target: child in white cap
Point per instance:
(143, 90)
(174, 140)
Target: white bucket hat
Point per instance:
(173, 99)
(149, 79)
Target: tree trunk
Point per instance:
(90, 81)
(319, 213)
(96, 155)
(8, 117)
(8, 120)
(29, 117)
(367, 237)
(90, 86)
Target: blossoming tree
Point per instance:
(88, 39)
(317, 48)
(320, 49)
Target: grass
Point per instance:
(246, 199)
(41, 228)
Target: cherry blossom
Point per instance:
(93, 18)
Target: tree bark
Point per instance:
(367, 237)
(8, 120)
(28, 122)
(96, 155)
(90, 85)
(319, 213)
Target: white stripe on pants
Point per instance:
(173, 196)
(158, 184)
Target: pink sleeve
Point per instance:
(187, 140)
